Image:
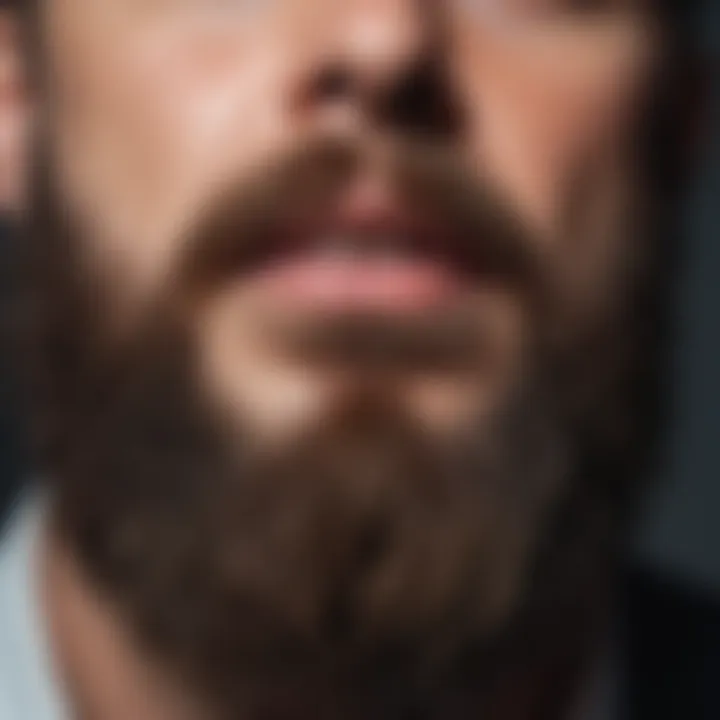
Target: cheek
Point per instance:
(145, 133)
(555, 106)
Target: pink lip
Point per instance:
(423, 274)
(399, 286)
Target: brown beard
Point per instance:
(350, 574)
(354, 568)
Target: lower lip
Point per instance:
(398, 286)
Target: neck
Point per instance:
(108, 677)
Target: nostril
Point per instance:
(423, 102)
(332, 83)
(418, 98)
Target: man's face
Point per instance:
(395, 226)
(158, 110)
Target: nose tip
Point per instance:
(389, 64)
(381, 40)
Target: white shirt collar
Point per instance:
(27, 684)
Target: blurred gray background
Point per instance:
(682, 526)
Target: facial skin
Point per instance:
(347, 288)
(156, 109)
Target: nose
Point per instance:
(388, 64)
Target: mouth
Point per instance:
(395, 263)
(385, 269)
(366, 244)
(375, 277)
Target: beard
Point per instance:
(355, 569)
(349, 572)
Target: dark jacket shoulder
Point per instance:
(673, 652)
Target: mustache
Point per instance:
(480, 229)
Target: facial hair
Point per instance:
(349, 573)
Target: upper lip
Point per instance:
(381, 233)
(395, 230)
